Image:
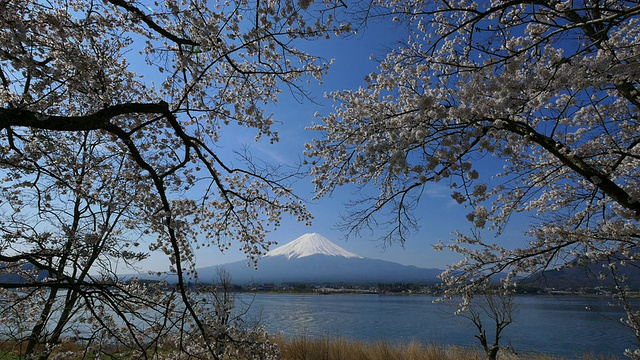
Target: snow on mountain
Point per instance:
(311, 244)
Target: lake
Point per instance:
(557, 325)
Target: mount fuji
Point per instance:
(309, 245)
(312, 258)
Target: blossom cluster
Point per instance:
(549, 91)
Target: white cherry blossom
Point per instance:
(110, 112)
(551, 89)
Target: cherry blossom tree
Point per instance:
(546, 92)
(62, 232)
(110, 112)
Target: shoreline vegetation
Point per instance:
(397, 288)
(329, 290)
(302, 348)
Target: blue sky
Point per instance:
(440, 215)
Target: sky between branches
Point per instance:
(440, 214)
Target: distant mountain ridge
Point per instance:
(20, 277)
(312, 258)
(584, 276)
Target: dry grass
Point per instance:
(340, 349)
(334, 349)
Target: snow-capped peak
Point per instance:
(310, 244)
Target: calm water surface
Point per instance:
(546, 324)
